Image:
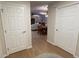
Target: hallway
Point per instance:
(40, 46)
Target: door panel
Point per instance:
(15, 28)
(67, 27)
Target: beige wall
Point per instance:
(51, 21)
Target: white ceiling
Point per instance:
(39, 6)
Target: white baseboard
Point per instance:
(75, 56)
(51, 42)
(3, 56)
(30, 46)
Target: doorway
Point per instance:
(39, 16)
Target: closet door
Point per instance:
(67, 27)
(15, 27)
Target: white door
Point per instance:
(14, 28)
(67, 27)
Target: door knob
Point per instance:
(5, 31)
(24, 32)
(56, 29)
